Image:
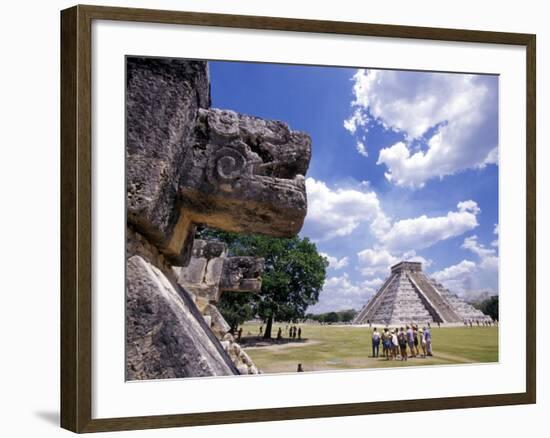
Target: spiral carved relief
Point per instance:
(228, 164)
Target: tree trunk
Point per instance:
(269, 325)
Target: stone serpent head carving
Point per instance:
(191, 164)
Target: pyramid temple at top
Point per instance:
(410, 296)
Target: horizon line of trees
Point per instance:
(489, 306)
(333, 317)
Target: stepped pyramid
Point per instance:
(409, 295)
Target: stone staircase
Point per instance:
(440, 306)
(397, 302)
(363, 316)
(464, 310)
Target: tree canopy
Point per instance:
(331, 317)
(292, 280)
(490, 307)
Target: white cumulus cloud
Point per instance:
(496, 230)
(341, 293)
(423, 231)
(374, 282)
(361, 148)
(358, 119)
(449, 121)
(465, 267)
(467, 276)
(458, 278)
(375, 261)
(338, 212)
(335, 263)
(372, 261)
(488, 256)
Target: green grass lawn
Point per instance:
(345, 347)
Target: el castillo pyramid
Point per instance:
(410, 296)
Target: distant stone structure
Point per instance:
(189, 164)
(211, 273)
(408, 295)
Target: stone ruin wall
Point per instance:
(211, 273)
(189, 164)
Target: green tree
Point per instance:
(340, 316)
(490, 307)
(331, 317)
(292, 280)
(236, 309)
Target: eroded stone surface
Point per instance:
(247, 174)
(210, 272)
(242, 274)
(163, 97)
(166, 337)
(218, 324)
(188, 164)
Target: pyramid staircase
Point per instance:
(408, 295)
(374, 302)
(465, 311)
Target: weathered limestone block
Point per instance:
(201, 303)
(225, 345)
(163, 97)
(242, 274)
(246, 359)
(166, 336)
(187, 164)
(247, 174)
(136, 244)
(243, 369)
(210, 272)
(218, 324)
(202, 275)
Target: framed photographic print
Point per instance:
(268, 218)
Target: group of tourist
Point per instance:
(484, 323)
(402, 343)
(293, 331)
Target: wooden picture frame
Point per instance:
(76, 217)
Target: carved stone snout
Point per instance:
(210, 272)
(242, 274)
(246, 175)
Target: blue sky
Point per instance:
(404, 167)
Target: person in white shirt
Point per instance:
(395, 343)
